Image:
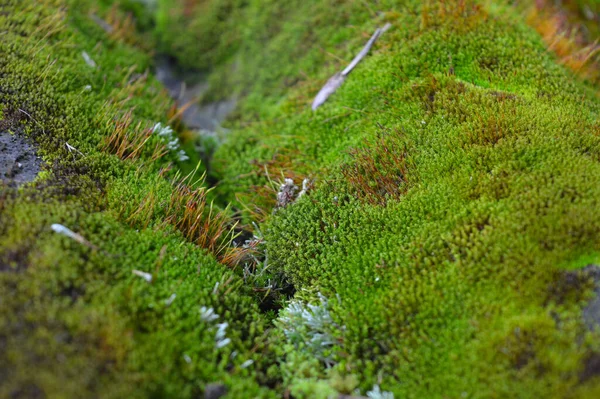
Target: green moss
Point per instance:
(441, 286)
(455, 181)
(76, 321)
(212, 32)
(86, 307)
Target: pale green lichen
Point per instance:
(310, 328)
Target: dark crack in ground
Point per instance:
(206, 118)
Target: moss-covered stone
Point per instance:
(75, 319)
(455, 176)
(454, 188)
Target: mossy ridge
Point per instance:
(141, 339)
(404, 58)
(76, 320)
(472, 246)
(441, 273)
(445, 291)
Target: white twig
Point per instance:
(330, 87)
(71, 149)
(65, 231)
(247, 363)
(222, 343)
(221, 331)
(144, 275)
(363, 53)
(306, 185)
(170, 300)
(33, 119)
(336, 80)
(88, 60)
(208, 314)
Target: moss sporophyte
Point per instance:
(431, 230)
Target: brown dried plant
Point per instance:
(190, 211)
(379, 170)
(128, 142)
(565, 39)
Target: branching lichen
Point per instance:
(310, 328)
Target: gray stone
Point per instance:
(206, 118)
(19, 162)
(215, 391)
(591, 313)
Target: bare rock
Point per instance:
(215, 391)
(19, 162)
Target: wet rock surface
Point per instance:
(215, 391)
(573, 284)
(19, 162)
(591, 313)
(206, 117)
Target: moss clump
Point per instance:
(454, 188)
(77, 317)
(78, 321)
(455, 174)
(209, 27)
